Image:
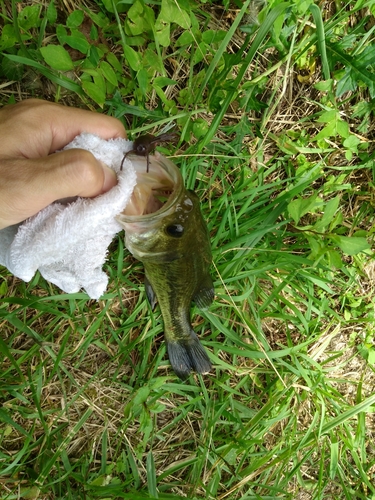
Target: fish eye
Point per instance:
(140, 149)
(175, 230)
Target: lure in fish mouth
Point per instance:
(145, 144)
(165, 230)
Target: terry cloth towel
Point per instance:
(68, 243)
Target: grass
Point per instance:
(275, 108)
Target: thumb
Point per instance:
(76, 172)
(29, 185)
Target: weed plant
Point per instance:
(275, 104)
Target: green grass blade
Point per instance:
(264, 29)
(151, 475)
(59, 80)
(50, 463)
(222, 48)
(316, 12)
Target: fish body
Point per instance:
(173, 244)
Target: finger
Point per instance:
(36, 128)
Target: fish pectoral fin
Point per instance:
(205, 293)
(151, 296)
(188, 355)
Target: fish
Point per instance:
(146, 143)
(165, 230)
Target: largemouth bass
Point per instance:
(165, 230)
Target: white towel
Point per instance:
(68, 243)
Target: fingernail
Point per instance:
(110, 177)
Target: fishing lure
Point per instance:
(145, 144)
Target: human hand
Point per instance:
(32, 174)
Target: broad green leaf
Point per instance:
(351, 245)
(114, 62)
(162, 96)
(277, 25)
(172, 12)
(143, 80)
(329, 213)
(141, 395)
(100, 82)
(29, 17)
(108, 73)
(61, 34)
(132, 57)
(353, 65)
(213, 36)
(151, 61)
(100, 19)
(303, 5)
(89, 71)
(328, 116)
(162, 33)
(115, 5)
(29, 492)
(351, 143)
(149, 16)
(316, 246)
(99, 481)
(301, 206)
(334, 258)
(157, 407)
(78, 41)
(93, 91)
(156, 383)
(94, 35)
(3, 287)
(140, 18)
(136, 10)
(185, 39)
(337, 221)
(135, 29)
(163, 81)
(324, 85)
(8, 37)
(329, 131)
(200, 127)
(200, 53)
(343, 129)
(93, 56)
(75, 19)
(57, 57)
(347, 83)
(51, 12)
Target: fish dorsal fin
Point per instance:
(204, 294)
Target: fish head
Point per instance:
(163, 221)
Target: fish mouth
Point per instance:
(156, 191)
